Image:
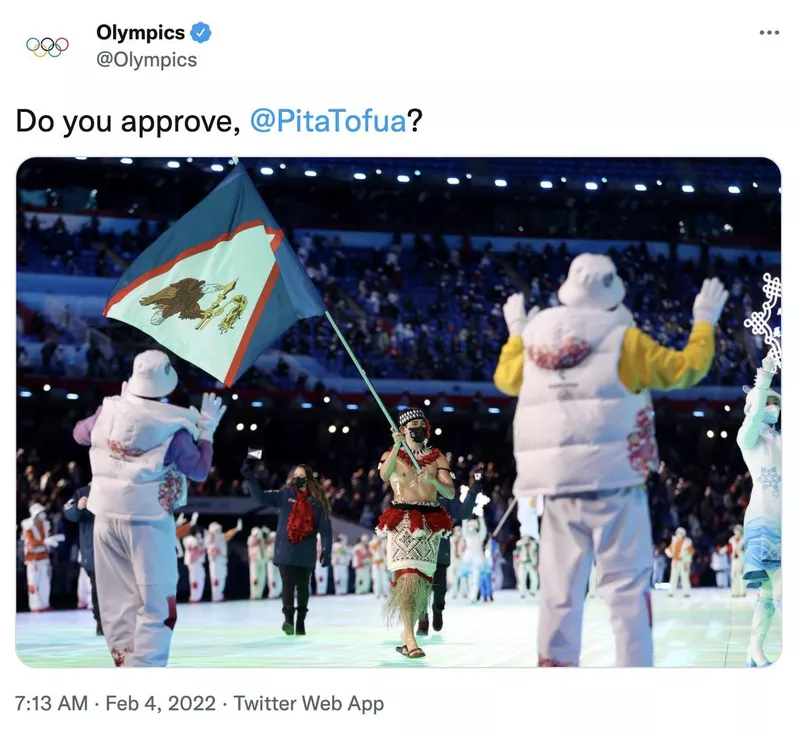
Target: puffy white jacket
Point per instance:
(577, 428)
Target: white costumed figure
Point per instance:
(474, 533)
(361, 565)
(680, 551)
(195, 561)
(762, 449)
(584, 442)
(38, 541)
(380, 572)
(274, 581)
(142, 452)
(257, 559)
(323, 573)
(736, 551)
(720, 566)
(526, 562)
(341, 565)
(217, 549)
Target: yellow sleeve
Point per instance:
(183, 530)
(230, 534)
(508, 374)
(644, 364)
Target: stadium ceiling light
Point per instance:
(468, 176)
(417, 172)
(403, 179)
(173, 164)
(546, 184)
(352, 407)
(687, 189)
(164, 400)
(80, 158)
(563, 180)
(710, 433)
(345, 429)
(727, 408)
(591, 186)
(640, 187)
(239, 427)
(699, 413)
(253, 427)
(327, 400)
(359, 176)
(270, 171)
(658, 183)
(755, 185)
(438, 431)
(189, 160)
(723, 435)
(234, 397)
(311, 174)
(378, 171)
(306, 405)
(494, 410)
(257, 404)
(282, 166)
(217, 168)
(427, 402)
(332, 428)
(448, 409)
(72, 397)
(734, 189)
(25, 394)
(231, 161)
(453, 181)
(500, 183)
(46, 387)
(604, 180)
(126, 161)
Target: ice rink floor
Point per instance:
(710, 629)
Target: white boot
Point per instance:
(762, 620)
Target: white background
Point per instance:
(499, 78)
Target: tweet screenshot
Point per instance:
(373, 358)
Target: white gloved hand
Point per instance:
(770, 365)
(51, 542)
(709, 302)
(514, 313)
(239, 525)
(211, 412)
(464, 491)
(764, 375)
(181, 520)
(195, 516)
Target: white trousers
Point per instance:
(274, 580)
(218, 573)
(258, 579)
(722, 578)
(135, 567)
(322, 579)
(341, 578)
(197, 581)
(39, 574)
(362, 581)
(527, 579)
(84, 590)
(612, 528)
(380, 580)
(737, 579)
(679, 572)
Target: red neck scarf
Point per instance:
(301, 518)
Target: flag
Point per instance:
(220, 285)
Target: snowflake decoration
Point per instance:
(771, 480)
(758, 322)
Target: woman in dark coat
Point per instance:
(303, 512)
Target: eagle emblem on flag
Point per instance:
(183, 298)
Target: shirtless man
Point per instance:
(414, 523)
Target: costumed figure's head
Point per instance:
(365, 538)
(738, 530)
(592, 284)
(772, 412)
(415, 427)
(38, 513)
(680, 532)
(214, 528)
(255, 532)
(153, 376)
(342, 539)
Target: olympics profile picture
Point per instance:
(47, 46)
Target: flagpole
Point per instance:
(369, 384)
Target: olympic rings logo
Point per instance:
(47, 46)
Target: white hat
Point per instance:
(214, 527)
(153, 375)
(36, 509)
(680, 531)
(592, 283)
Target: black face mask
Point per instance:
(418, 434)
(300, 482)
